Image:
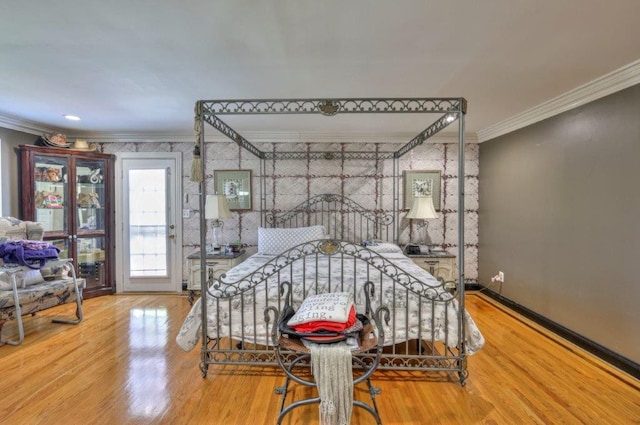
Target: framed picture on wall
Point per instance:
(421, 183)
(235, 185)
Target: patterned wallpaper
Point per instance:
(368, 182)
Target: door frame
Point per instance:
(177, 262)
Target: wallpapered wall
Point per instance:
(368, 182)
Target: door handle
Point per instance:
(172, 236)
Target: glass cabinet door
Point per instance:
(91, 260)
(90, 220)
(90, 196)
(62, 245)
(51, 197)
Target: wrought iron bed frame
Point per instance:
(448, 109)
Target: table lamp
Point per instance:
(216, 209)
(422, 209)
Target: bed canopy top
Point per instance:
(446, 110)
(209, 111)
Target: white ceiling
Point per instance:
(137, 67)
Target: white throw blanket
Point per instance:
(332, 370)
(227, 315)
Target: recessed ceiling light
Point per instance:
(72, 117)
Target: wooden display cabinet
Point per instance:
(71, 193)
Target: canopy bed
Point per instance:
(317, 247)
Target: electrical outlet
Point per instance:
(186, 213)
(498, 278)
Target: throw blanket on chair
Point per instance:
(332, 370)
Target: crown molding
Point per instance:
(135, 137)
(620, 79)
(25, 126)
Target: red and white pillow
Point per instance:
(330, 307)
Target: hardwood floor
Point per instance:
(122, 366)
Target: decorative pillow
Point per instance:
(23, 279)
(56, 271)
(273, 241)
(385, 248)
(13, 228)
(329, 307)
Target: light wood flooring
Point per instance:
(122, 366)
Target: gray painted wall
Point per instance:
(9, 182)
(559, 214)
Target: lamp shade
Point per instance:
(216, 207)
(422, 208)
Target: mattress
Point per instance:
(420, 306)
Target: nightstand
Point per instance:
(217, 264)
(439, 264)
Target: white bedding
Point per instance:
(232, 317)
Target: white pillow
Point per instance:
(273, 241)
(23, 279)
(385, 248)
(329, 307)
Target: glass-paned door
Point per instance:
(150, 232)
(149, 227)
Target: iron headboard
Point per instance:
(342, 217)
